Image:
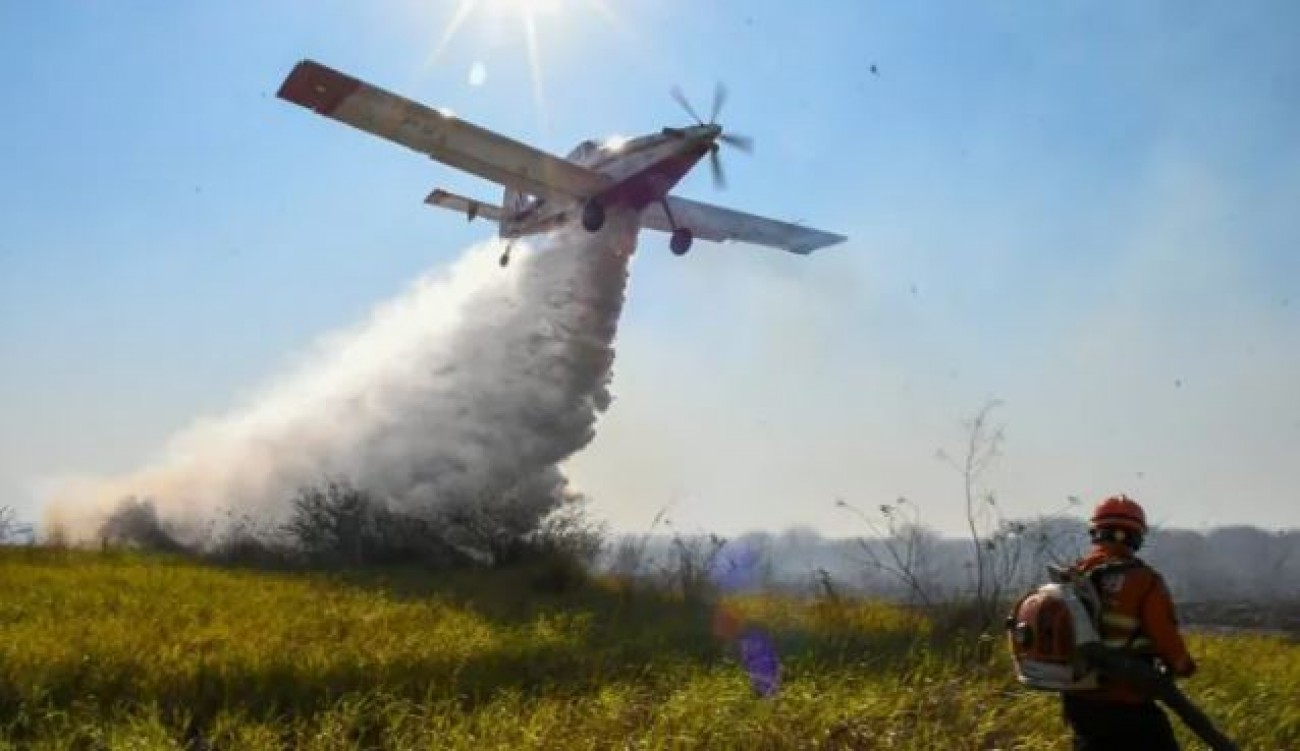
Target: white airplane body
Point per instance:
(542, 191)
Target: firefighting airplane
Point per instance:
(542, 191)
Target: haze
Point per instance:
(1085, 211)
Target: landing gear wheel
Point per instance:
(593, 216)
(680, 242)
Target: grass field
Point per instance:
(126, 651)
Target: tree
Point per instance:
(136, 523)
(900, 548)
(331, 521)
(1006, 552)
(983, 446)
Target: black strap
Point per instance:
(1120, 565)
(1114, 565)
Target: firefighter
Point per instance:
(1138, 616)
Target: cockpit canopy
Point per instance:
(596, 153)
(584, 153)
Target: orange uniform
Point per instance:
(1137, 614)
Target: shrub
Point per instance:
(135, 524)
(337, 524)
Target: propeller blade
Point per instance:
(719, 177)
(719, 98)
(681, 99)
(743, 143)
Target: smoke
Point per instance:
(471, 385)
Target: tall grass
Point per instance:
(125, 651)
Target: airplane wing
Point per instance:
(460, 204)
(438, 134)
(715, 223)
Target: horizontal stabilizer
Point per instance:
(468, 206)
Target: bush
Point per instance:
(564, 549)
(335, 524)
(135, 524)
(338, 524)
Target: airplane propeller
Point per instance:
(719, 98)
(719, 176)
(741, 143)
(681, 99)
(744, 144)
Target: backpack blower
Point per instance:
(1053, 633)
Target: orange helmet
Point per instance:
(1120, 512)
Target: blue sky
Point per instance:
(1086, 210)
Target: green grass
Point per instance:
(124, 651)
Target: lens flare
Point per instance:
(531, 16)
(758, 656)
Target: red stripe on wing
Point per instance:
(317, 87)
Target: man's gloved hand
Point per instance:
(1185, 668)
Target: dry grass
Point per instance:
(122, 651)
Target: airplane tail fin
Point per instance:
(471, 208)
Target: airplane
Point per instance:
(543, 191)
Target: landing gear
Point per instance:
(593, 216)
(680, 242)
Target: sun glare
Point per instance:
(528, 14)
(535, 6)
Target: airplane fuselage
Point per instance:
(643, 171)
